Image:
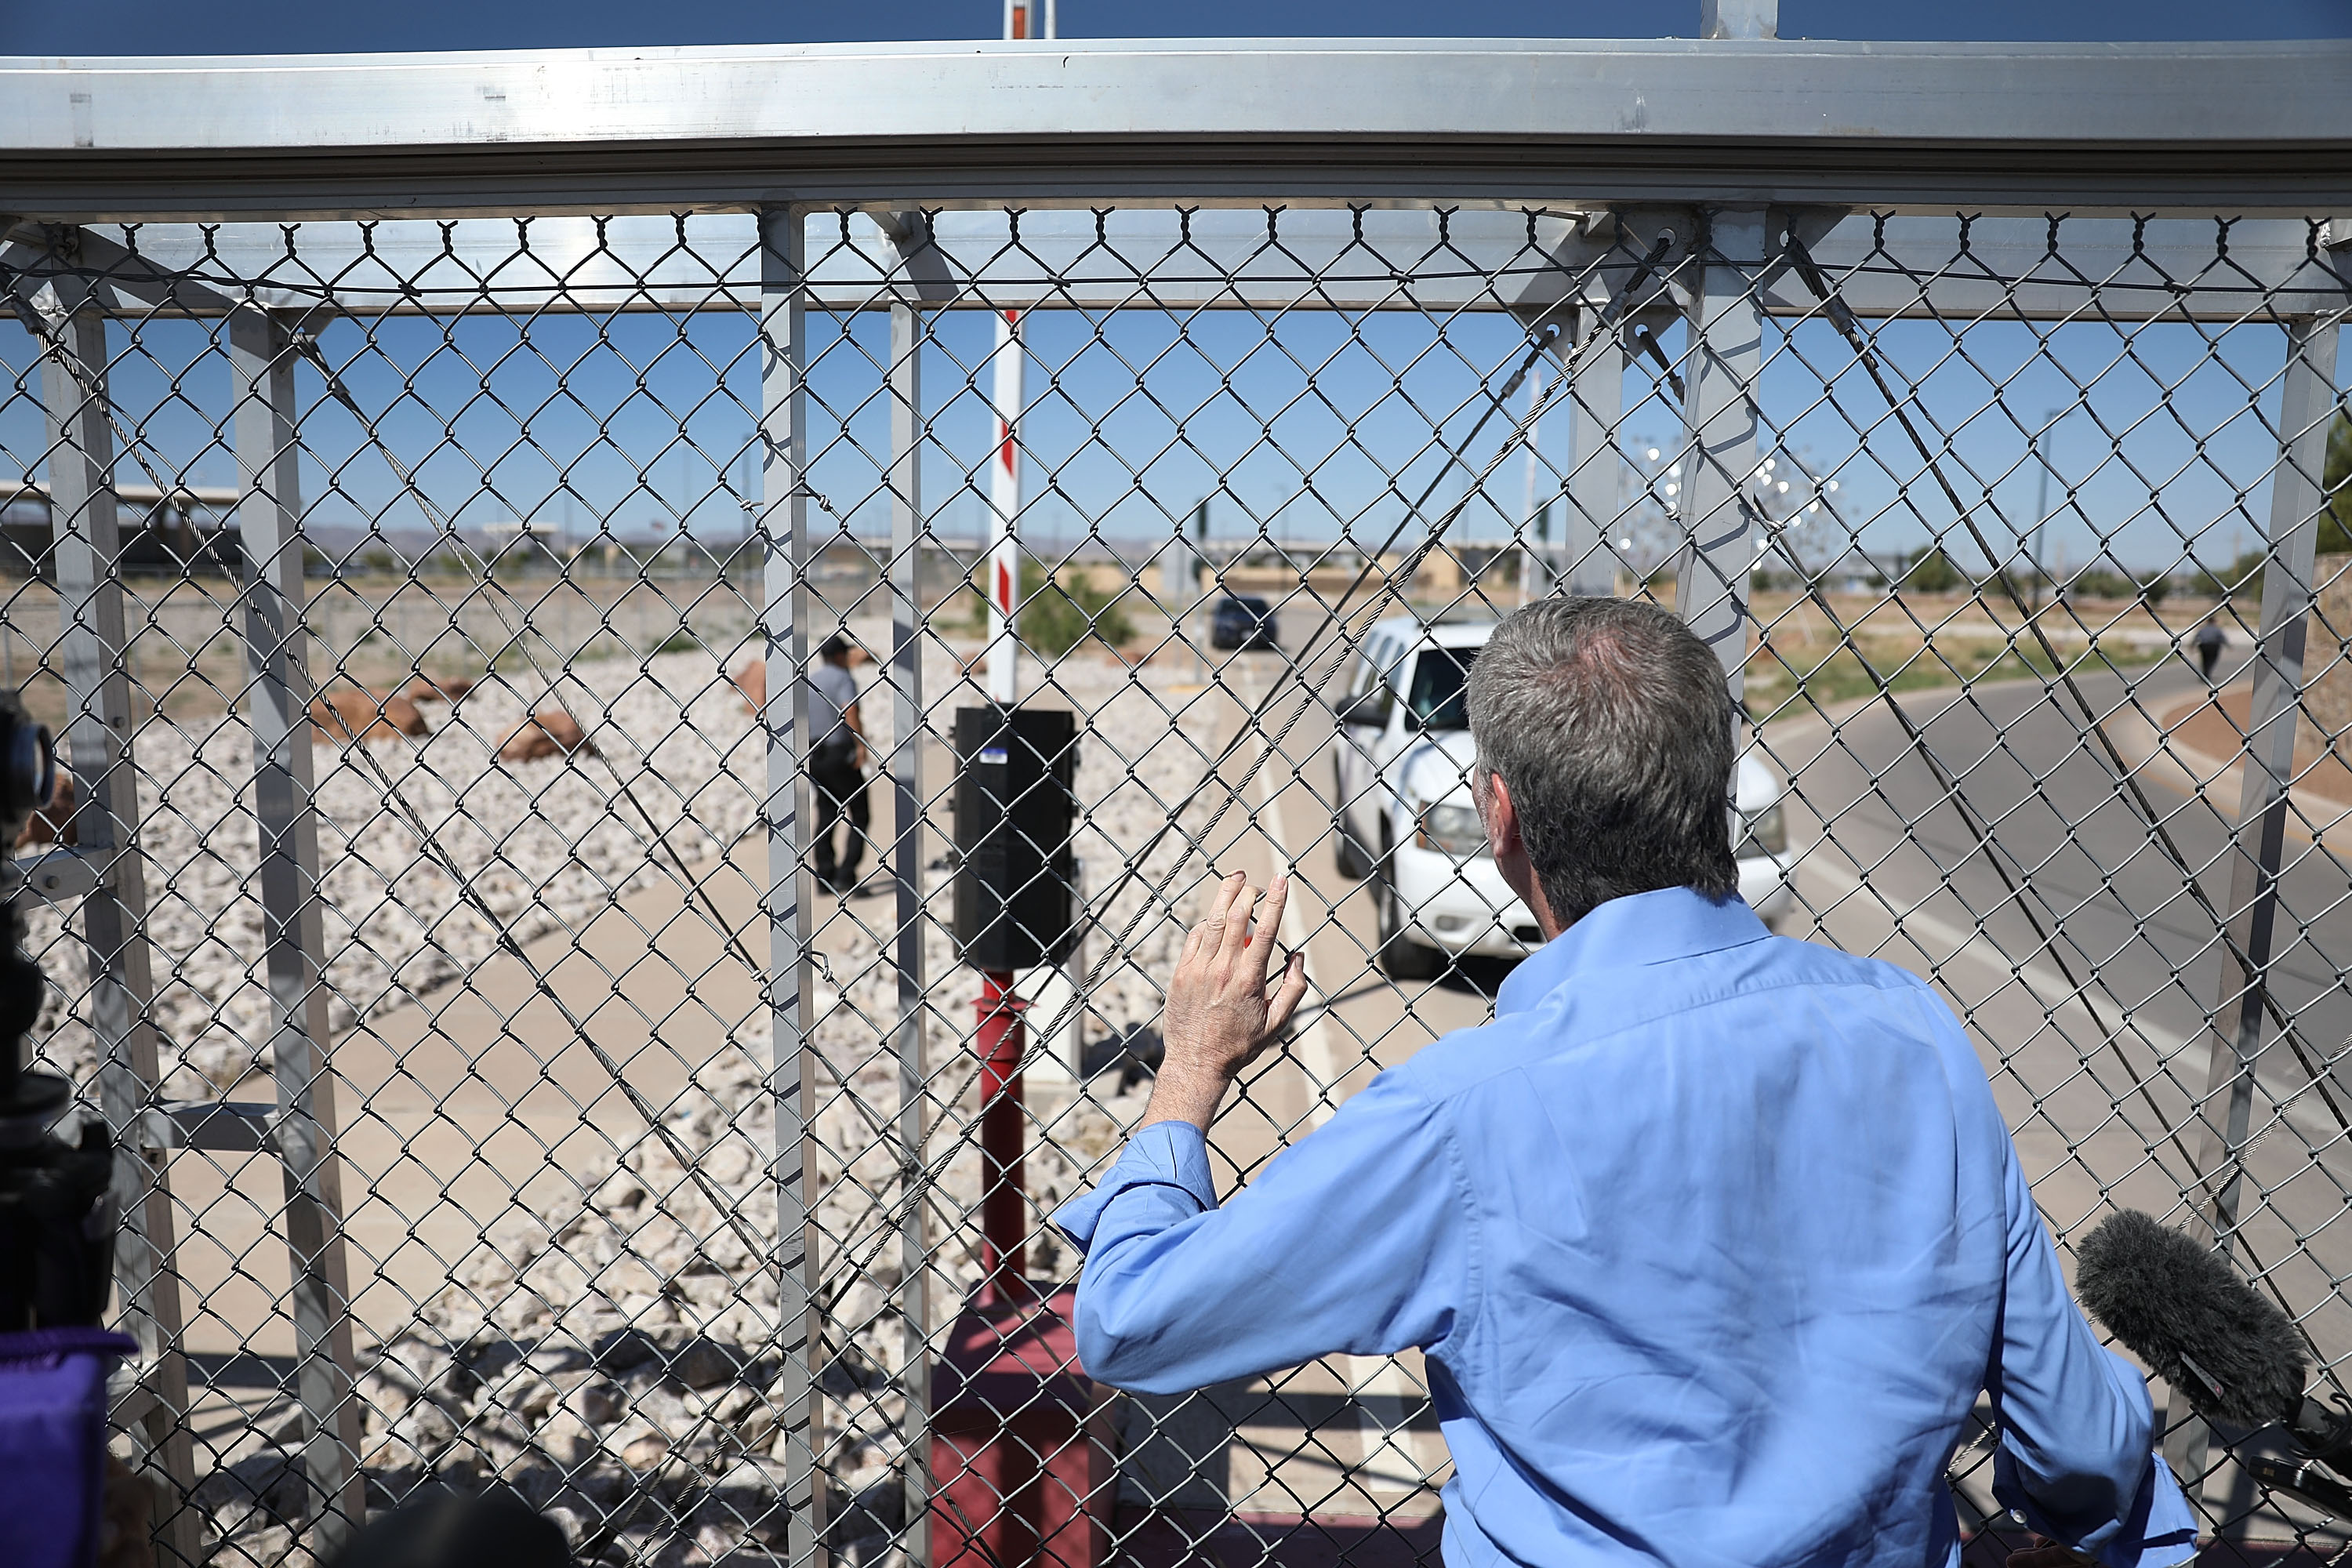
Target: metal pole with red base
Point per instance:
(1021, 1450)
(1004, 1229)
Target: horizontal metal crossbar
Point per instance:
(1528, 262)
(1944, 125)
(55, 874)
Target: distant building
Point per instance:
(524, 544)
(185, 529)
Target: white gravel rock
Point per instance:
(634, 1248)
(538, 843)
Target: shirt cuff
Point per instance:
(1164, 1155)
(2159, 1532)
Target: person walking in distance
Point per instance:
(2210, 640)
(837, 762)
(1710, 1239)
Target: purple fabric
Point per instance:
(53, 1444)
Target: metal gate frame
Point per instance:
(1733, 164)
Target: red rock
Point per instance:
(426, 689)
(550, 733)
(352, 715)
(751, 680)
(45, 824)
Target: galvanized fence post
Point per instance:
(1724, 357)
(269, 519)
(2307, 403)
(93, 651)
(784, 522)
(908, 724)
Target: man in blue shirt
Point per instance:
(1710, 1238)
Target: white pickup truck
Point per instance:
(1404, 817)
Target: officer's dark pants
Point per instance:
(840, 787)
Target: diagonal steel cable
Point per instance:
(1849, 326)
(915, 1190)
(1999, 857)
(427, 840)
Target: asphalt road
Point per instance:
(2088, 984)
(2103, 1043)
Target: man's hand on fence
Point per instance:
(1223, 1005)
(2047, 1553)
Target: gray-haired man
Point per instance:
(1710, 1238)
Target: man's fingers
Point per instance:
(1293, 990)
(2046, 1557)
(1221, 903)
(1269, 918)
(1201, 941)
(1235, 936)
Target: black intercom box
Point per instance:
(1016, 805)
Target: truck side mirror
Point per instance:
(1370, 712)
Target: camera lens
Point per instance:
(28, 763)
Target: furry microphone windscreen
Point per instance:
(2165, 1297)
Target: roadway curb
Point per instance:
(2156, 752)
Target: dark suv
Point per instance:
(1242, 620)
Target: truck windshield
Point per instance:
(1438, 700)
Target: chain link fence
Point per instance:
(513, 1090)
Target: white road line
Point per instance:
(1311, 1046)
(2293, 1106)
(2048, 987)
(1390, 1454)
(1962, 940)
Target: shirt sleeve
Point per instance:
(1358, 1239)
(2077, 1431)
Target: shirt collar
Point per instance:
(1641, 928)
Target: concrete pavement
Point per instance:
(459, 1106)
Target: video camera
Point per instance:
(57, 1221)
(56, 1237)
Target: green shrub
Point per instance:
(2335, 523)
(1053, 618)
(2101, 585)
(1932, 571)
(1056, 618)
(2241, 579)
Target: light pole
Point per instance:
(1661, 488)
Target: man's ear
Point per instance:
(1501, 817)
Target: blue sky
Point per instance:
(641, 422)
(165, 27)
(1303, 427)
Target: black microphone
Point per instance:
(2182, 1310)
(2186, 1313)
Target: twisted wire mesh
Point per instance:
(533, 460)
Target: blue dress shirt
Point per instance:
(1710, 1239)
